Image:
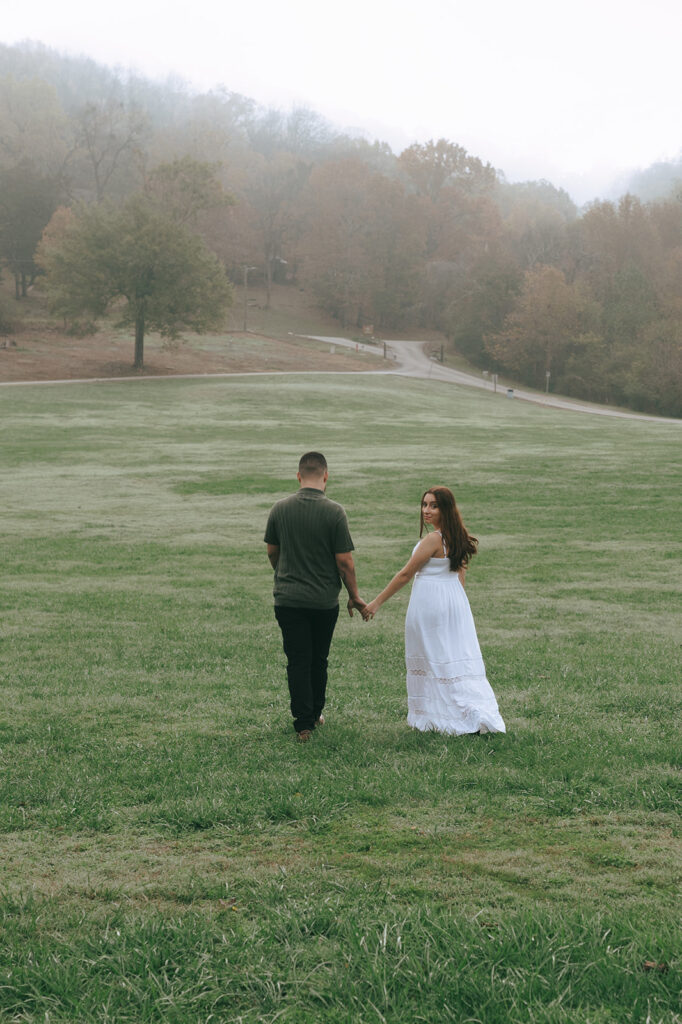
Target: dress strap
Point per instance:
(445, 550)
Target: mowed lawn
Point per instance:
(168, 853)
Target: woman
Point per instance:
(447, 689)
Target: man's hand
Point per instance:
(356, 602)
(346, 568)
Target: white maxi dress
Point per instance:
(447, 688)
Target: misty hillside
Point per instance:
(513, 275)
(658, 181)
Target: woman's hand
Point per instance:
(370, 610)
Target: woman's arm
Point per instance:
(429, 547)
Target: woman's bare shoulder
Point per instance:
(430, 544)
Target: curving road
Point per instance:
(412, 361)
(404, 358)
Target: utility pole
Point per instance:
(246, 292)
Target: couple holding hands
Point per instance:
(310, 549)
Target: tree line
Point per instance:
(151, 198)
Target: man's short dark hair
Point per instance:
(312, 464)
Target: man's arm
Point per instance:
(273, 554)
(346, 567)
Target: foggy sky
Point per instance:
(578, 93)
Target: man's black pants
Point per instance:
(306, 638)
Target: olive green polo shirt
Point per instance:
(310, 530)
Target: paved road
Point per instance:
(411, 360)
(404, 359)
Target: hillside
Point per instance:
(38, 349)
(514, 277)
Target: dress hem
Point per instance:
(425, 724)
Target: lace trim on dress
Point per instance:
(417, 666)
(447, 679)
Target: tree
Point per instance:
(654, 380)
(185, 188)
(394, 246)
(27, 201)
(616, 240)
(659, 181)
(548, 319)
(302, 132)
(470, 300)
(435, 165)
(273, 193)
(364, 243)
(108, 133)
(33, 126)
(536, 216)
(167, 277)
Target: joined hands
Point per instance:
(370, 610)
(367, 611)
(356, 602)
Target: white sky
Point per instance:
(578, 92)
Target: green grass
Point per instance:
(169, 854)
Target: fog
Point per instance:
(581, 95)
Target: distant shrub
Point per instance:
(81, 328)
(7, 323)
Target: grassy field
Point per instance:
(170, 854)
(41, 349)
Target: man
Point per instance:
(310, 549)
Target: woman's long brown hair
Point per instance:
(459, 543)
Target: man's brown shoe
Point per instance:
(304, 735)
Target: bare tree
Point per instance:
(107, 133)
(272, 194)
